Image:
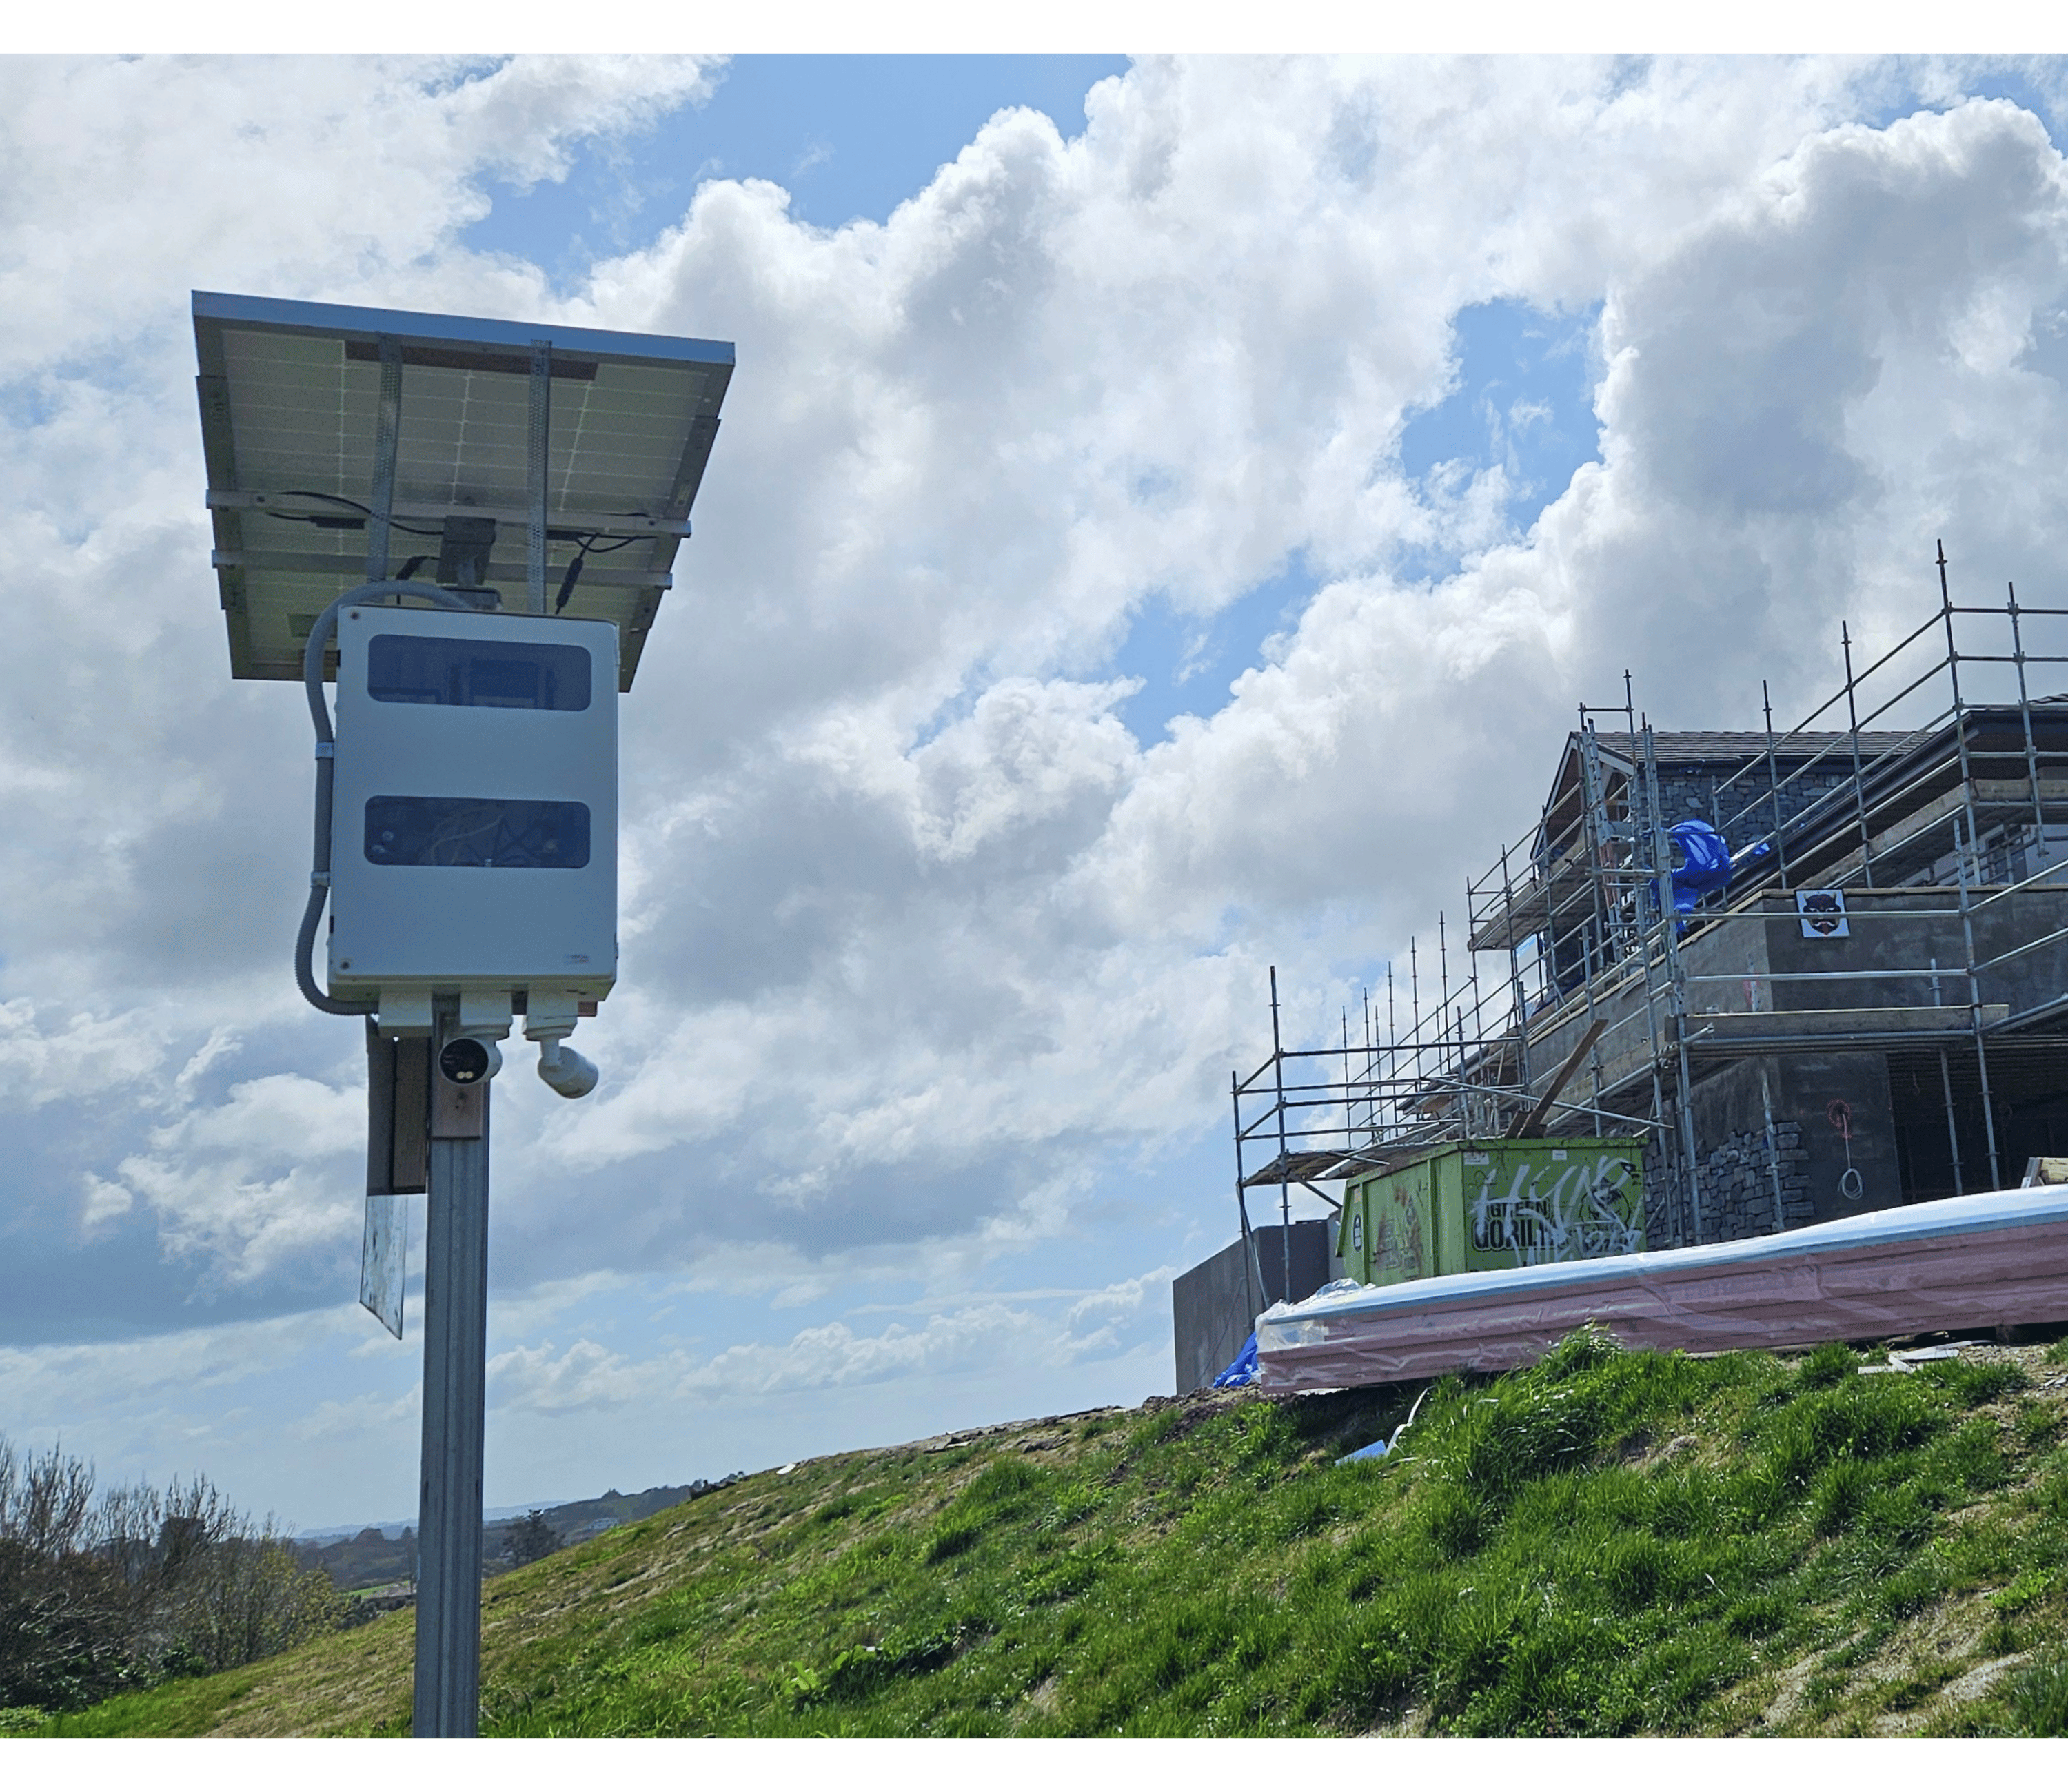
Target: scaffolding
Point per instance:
(1919, 814)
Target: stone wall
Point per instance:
(1689, 791)
(1737, 1189)
(1737, 1183)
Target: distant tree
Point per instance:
(530, 1538)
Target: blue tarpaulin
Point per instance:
(1241, 1371)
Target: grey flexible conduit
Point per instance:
(312, 682)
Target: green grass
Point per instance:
(1605, 1544)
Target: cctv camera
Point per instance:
(465, 1061)
(565, 1071)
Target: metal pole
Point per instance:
(1392, 1058)
(1445, 1019)
(1952, 1131)
(1662, 891)
(1859, 792)
(1515, 980)
(1946, 1088)
(1635, 801)
(1250, 1264)
(1284, 1181)
(1959, 731)
(2024, 715)
(1370, 1105)
(1594, 833)
(1772, 1149)
(1773, 784)
(448, 1667)
(538, 434)
(1414, 1009)
(1350, 1091)
(1975, 1005)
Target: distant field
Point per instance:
(1608, 1543)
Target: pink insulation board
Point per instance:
(1974, 1260)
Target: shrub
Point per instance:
(100, 1595)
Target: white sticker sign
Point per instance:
(1823, 913)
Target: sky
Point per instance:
(1166, 512)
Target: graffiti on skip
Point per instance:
(1587, 1210)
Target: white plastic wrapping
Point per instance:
(1993, 1259)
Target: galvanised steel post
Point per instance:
(448, 1668)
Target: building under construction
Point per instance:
(1815, 969)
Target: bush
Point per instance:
(99, 1595)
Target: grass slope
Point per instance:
(1607, 1543)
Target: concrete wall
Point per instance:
(1899, 1144)
(1213, 1305)
(1803, 1087)
(1730, 1114)
(1887, 932)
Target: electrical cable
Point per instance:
(353, 503)
(568, 582)
(585, 546)
(320, 634)
(587, 542)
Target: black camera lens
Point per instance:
(463, 1061)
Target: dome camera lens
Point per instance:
(464, 1061)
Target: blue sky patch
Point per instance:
(848, 137)
(1522, 399)
(1186, 661)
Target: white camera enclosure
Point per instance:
(475, 830)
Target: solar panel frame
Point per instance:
(288, 392)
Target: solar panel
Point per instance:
(290, 405)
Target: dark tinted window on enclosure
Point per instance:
(481, 675)
(501, 833)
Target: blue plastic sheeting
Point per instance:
(1371, 1452)
(1241, 1371)
(1708, 866)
